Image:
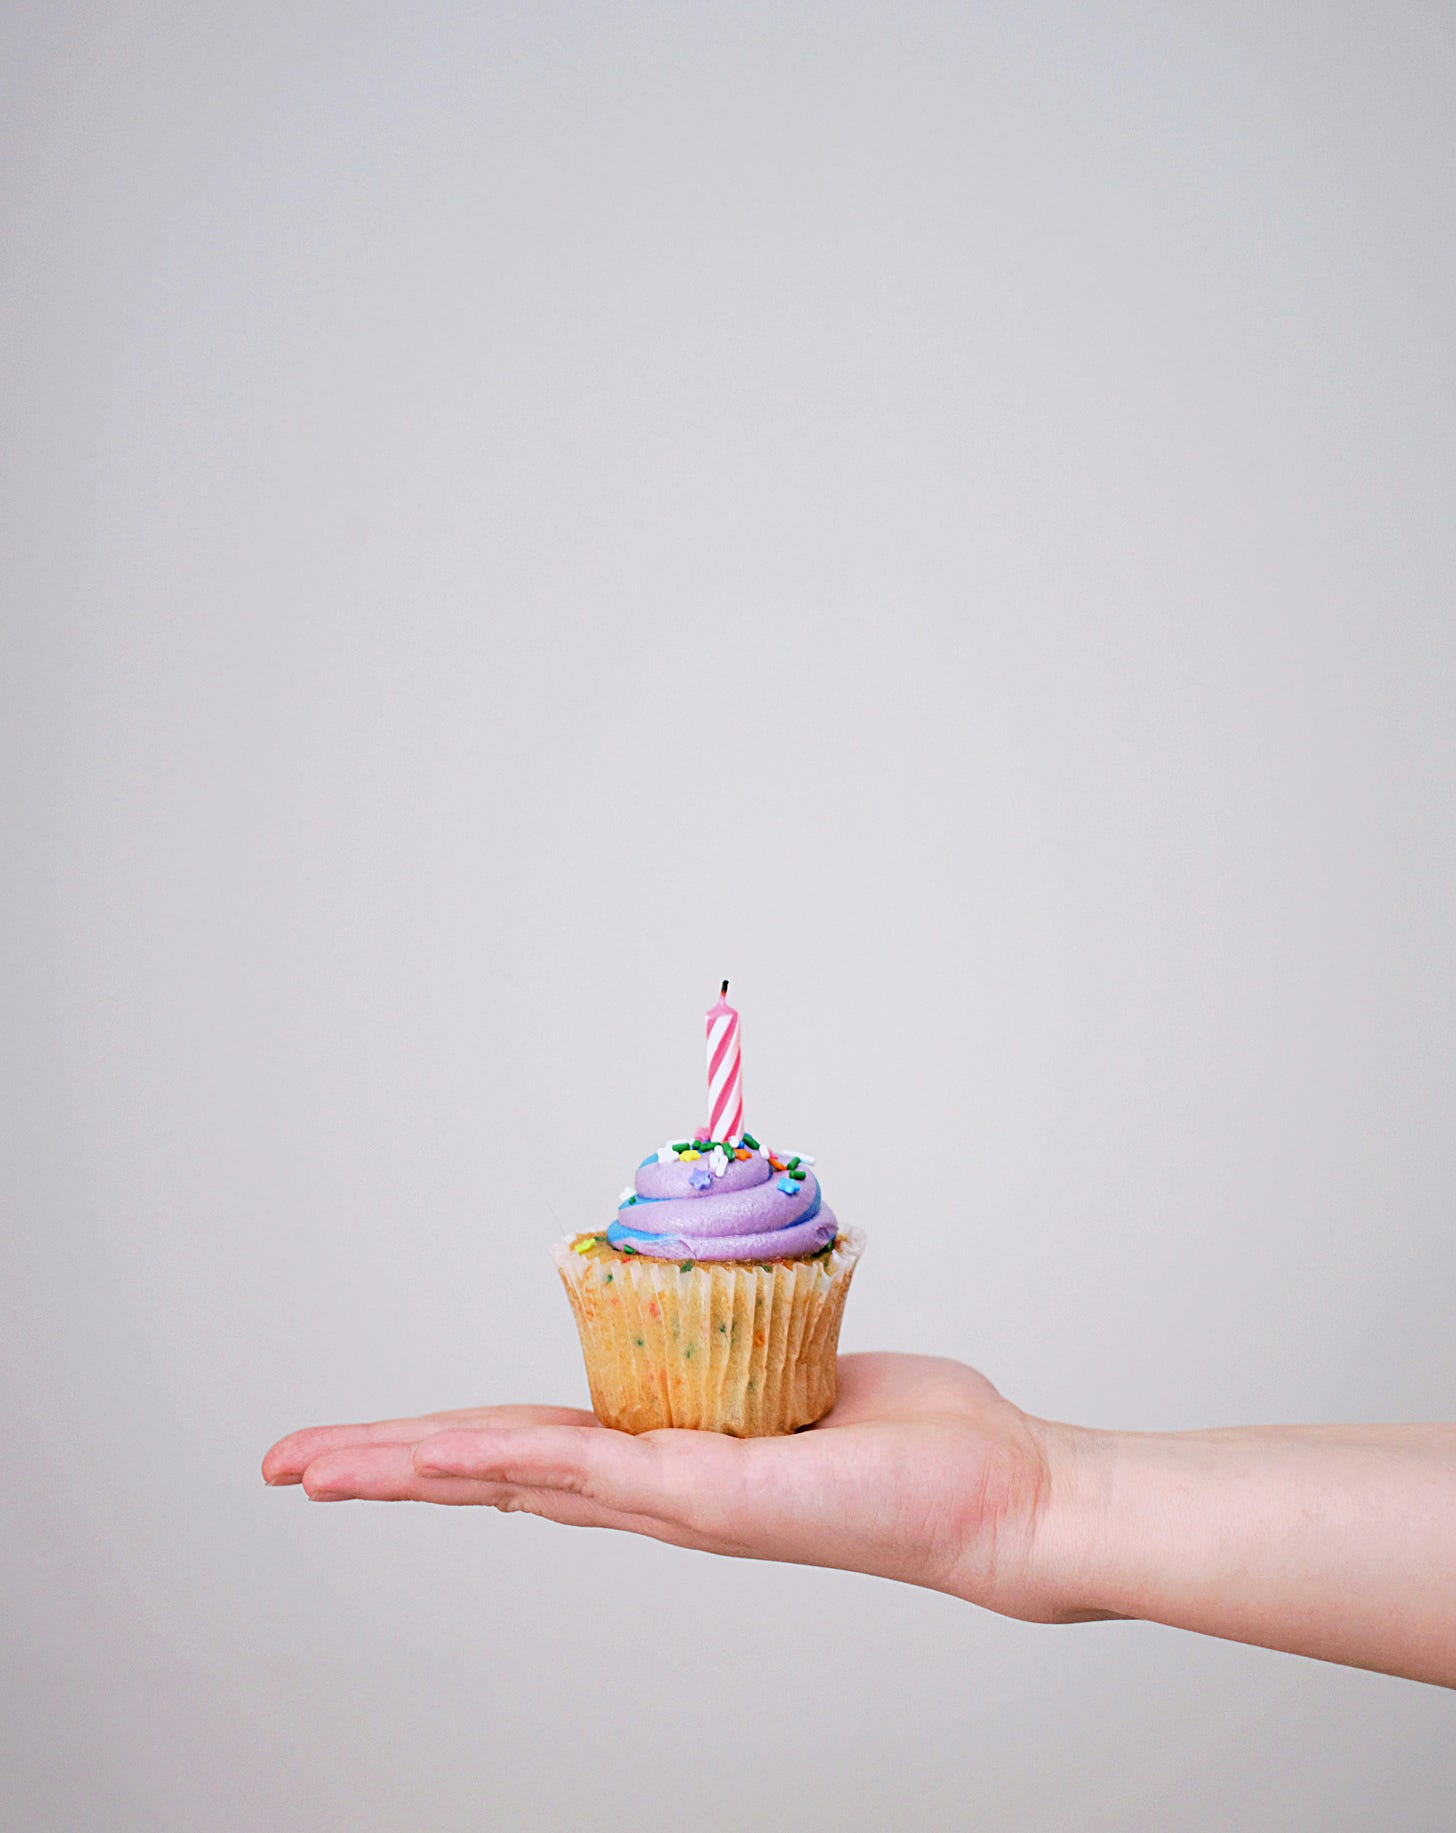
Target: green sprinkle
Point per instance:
(688, 1353)
(750, 1142)
(608, 1280)
(793, 1162)
(722, 1330)
(641, 1344)
(799, 1175)
(683, 1147)
(686, 1266)
(627, 1248)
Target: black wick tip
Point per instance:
(725, 989)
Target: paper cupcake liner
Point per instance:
(720, 1346)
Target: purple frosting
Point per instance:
(741, 1215)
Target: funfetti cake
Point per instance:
(714, 1299)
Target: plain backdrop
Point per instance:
(511, 513)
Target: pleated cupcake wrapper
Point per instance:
(747, 1349)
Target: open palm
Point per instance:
(922, 1472)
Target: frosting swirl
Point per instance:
(717, 1207)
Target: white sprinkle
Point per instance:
(630, 1191)
(804, 1158)
(763, 1151)
(666, 1155)
(718, 1161)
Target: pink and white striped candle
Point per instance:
(725, 1071)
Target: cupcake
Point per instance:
(714, 1299)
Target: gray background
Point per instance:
(513, 512)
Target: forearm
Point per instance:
(1333, 1541)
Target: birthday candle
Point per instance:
(725, 1071)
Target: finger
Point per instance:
(381, 1473)
(571, 1510)
(291, 1456)
(674, 1476)
(386, 1473)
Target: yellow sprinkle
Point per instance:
(690, 1155)
(586, 1243)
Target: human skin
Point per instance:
(1332, 1541)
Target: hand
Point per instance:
(922, 1472)
(1334, 1541)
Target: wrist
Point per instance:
(1303, 1538)
(1069, 1534)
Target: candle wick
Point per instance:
(724, 993)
